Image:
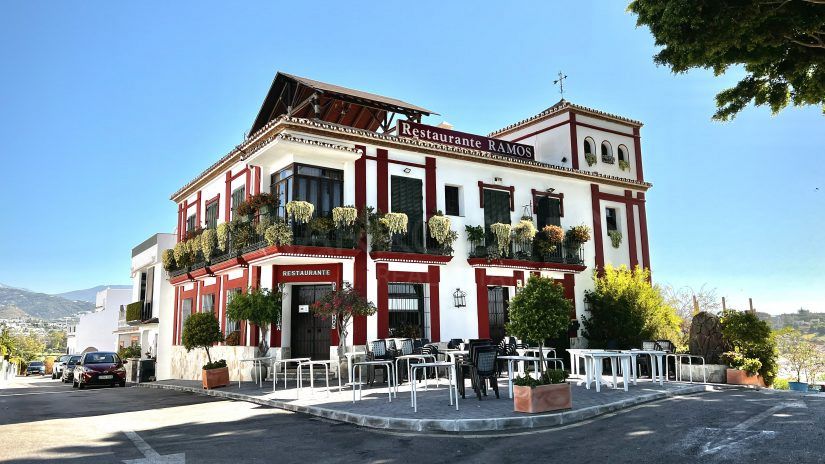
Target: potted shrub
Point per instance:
(475, 235)
(278, 233)
(615, 238)
(439, 228)
(752, 339)
(538, 312)
(501, 232)
(340, 305)
(209, 242)
(742, 370)
(590, 158)
(201, 330)
(168, 258)
(260, 307)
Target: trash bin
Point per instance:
(147, 370)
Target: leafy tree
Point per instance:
(201, 330)
(626, 309)
(689, 302)
(27, 347)
(257, 306)
(538, 312)
(752, 339)
(798, 352)
(780, 44)
(56, 341)
(341, 305)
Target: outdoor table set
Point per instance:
(627, 358)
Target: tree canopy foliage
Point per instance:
(201, 330)
(779, 43)
(625, 309)
(751, 339)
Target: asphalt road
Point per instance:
(43, 420)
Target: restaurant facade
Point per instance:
(335, 147)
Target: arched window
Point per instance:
(607, 153)
(588, 145)
(622, 153)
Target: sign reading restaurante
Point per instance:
(462, 139)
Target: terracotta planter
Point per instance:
(214, 378)
(740, 377)
(542, 398)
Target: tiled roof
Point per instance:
(561, 106)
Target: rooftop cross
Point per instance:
(560, 82)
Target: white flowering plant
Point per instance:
(344, 216)
(396, 223)
(503, 236)
(300, 211)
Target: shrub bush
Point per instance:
(751, 338)
(201, 330)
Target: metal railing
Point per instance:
(568, 252)
(418, 240)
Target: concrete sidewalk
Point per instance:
(434, 412)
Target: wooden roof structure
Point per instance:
(306, 98)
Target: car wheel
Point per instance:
(122, 384)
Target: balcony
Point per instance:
(568, 252)
(138, 312)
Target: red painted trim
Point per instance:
(383, 175)
(184, 213)
(643, 231)
(631, 231)
(255, 282)
(248, 183)
(408, 277)
(569, 284)
(482, 309)
(230, 284)
(298, 250)
(539, 193)
(198, 210)
(257, 180)
(213, 289)
(482, 186)
(435, 303)
(618, 198)
(429, 179)
(574, 142)
(522, 264)
(175, 318)
(228, 197)
(597, 226)
(274, 331)
(637, 148)
(604, 129)
(180, 279)
(397, 256)
(335, 273)
(215, 199)
(180, 226)
(403, 163)
(228, 264)
(359, 323)
(559, 124)
(184, 295)
(381, 272)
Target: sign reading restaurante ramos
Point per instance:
(462, 139)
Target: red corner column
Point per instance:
(481, 303)
(359, 323)
(434, 277)
(381, 273)
(275, 331)
(597, 226)
(637, 143)
(643, 230)
(429, 177)
(574, 142)
(631, 229)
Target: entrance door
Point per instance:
(498, 298)
(310, 334)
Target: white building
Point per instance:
(332, 146)
(150, 323)
(93, 330)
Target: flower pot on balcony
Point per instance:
(214, 378)
(542, 398)
(740, 377)
(798, 386)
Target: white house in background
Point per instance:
(93, 330)
(331, 146)
(153, 294)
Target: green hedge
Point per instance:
(133, 311)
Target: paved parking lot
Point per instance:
(45, 421)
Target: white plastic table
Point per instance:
(452, 387)
(513, 359)
(327, 363)
(654, 366)
(535, 352)
(575, 355)
(409, 357)
(377, 362)
(275, 361)
(593, 367)
(350, 356)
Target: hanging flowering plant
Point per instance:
(300, 211)
(193, 247)
(278, 233)
(624, 165)
(525, 230)
(579, 234)
(615, 238)
(168, 258)
(209, 240)
(223, 235)
(555, 234)
(590, 158)
(181, 253)
(502, 234)
(396, 223)
(341, 305)
(344, 216)
(439, 228)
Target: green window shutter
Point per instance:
(548, 212)
(407, 197)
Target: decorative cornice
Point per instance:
(561, 107)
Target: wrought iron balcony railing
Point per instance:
(568, 252)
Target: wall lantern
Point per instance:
(460, 298)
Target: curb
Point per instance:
(444, 425)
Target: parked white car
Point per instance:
(59, 365)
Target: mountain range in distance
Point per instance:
(19, 302)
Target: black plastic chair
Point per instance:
(464, 364)
(454, 342)
(484, 369)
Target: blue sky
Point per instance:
(107, 108)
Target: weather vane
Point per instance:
(560, 82)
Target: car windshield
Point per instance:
(74, 360)
(64, 358)
(100, 358)
(35, 364)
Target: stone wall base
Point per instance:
(187, 366)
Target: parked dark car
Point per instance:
(36, 367)
(68, 370)
(99, 368)
(59, 365)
